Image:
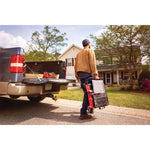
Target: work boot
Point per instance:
(91, 110)
(82, 117)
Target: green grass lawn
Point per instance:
(116, 97)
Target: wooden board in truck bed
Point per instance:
(28, 75)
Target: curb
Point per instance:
(139, 113)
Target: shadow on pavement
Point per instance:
(17, 111)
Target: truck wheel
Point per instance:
(36, 98)
(13, 96)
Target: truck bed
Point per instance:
(39, 68)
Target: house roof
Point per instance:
(114, 67)
(69, 50)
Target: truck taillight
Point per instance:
(16, 63)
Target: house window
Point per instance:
(126, 75)
(134, 76)
(69, 62)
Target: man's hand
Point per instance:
(79, 81)
(96, 78)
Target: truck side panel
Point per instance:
(5, 58)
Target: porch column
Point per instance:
(110, 78)
(117, 77)
(105, 78)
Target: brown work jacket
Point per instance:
(86, 62)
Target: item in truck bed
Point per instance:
(27, 75)
(50, 75)
(45, 75)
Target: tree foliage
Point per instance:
(145, 41)
(36, 55)
(45, 45)
(127, 44)
(121, 42)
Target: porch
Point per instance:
(113, 74)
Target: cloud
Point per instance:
(99, 32)
(7, 40)
(144, 60)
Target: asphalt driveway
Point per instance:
(65, 112)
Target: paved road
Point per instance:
(64, 112)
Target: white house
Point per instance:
(69, 57)
(111, 73)
(117, 74)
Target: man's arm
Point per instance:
(75, 68)
(93, 63)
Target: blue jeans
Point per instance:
(85, 103)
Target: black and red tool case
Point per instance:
(96, 94)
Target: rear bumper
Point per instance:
(23, 89)
(37, 88)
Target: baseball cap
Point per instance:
(85, 42)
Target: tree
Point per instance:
(45, 45)
(124, 43)
(36, 55)
(104, 47)
(145, 41)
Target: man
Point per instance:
(85, 68)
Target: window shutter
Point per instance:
(72, 61)
(121, 75)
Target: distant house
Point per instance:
(116, 74)
(111, 70)
(110, 73)
(69, 57)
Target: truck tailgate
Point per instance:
(38, 81)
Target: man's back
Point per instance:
(85, 61)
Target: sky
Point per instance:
(18, 35)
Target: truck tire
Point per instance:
(13, 96)
(36, 98)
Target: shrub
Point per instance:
(144, 75)
(145, 85)
(122, 88)
(144, 80)
(129, 88)
(137, 88)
